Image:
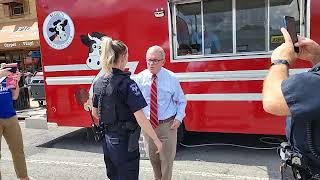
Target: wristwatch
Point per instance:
(280, 61)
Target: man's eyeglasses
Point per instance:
(154, 61)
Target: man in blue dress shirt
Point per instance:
(165, 110)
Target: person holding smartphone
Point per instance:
(297, 97)
(9, 125)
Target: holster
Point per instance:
(98, 131)
(286, 172)
(293, 173)
(293, 164)
(133, 142)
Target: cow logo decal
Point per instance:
(58, 30)
(93, 43)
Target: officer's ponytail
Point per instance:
(110, 52)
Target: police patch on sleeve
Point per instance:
(134, 88)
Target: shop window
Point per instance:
(16, 9)
(209, 28)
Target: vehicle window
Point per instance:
(251, 25)
(209, 28)
(217, 26)
(281, 9)
(188, 24)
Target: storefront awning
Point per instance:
(21, 35)
(10, 1)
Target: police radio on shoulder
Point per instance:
(280, 61)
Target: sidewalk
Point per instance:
(34, 110)
(40, 112)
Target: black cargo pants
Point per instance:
(120, 164)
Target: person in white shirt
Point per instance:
(165, 110)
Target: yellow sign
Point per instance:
(277, 39)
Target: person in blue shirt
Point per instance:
(297, 97)
(212, 43)
(118, 103)
(165, 109)
(9, 125)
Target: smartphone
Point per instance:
(13, 69)
(13, 66)
(289, 24)
(11, 82)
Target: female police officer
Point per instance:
(118, 104)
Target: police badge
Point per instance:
(135, 89)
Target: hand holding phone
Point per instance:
(286, 50)
(11, 67)
(289, 24)
(11, 82)
(13, 78)
(4, 72)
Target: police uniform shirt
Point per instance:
(129, 91)
(301, 92)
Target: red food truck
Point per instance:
(219, 49)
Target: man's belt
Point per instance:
(167, 120)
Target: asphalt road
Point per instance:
(65, 153)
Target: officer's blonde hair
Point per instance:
(110, 52)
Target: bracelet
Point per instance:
(280, 61)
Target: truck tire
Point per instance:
(180, 135)
(40, 103)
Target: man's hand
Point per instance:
(286, 50)
(309, 50)
(4, 72)
(87, 106)
(158, 143)
(175, 125)
(95, 115)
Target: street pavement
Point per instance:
(64, 153)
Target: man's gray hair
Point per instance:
(157, 49)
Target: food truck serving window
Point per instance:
(215, 28)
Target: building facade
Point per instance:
(19, 41)
(19, 36)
